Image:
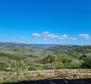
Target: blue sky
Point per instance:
(45, 21)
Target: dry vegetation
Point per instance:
(45, 74)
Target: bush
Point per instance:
(74, 64)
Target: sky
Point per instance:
(46, 21)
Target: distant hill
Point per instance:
(43, 56)
(22, 45)
(69, 49)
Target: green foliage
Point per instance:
(66, 59)
(3, 66)
(35, 66)
(74, 64)
(60, 65)
(49, 66)
(88, 61)
(21, 57)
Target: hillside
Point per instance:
(16, 56)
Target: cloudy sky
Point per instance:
(45, 21)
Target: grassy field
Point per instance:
(45, 74)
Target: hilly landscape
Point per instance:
(26, 57)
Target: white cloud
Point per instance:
(47, 35)
(73, 38)
(84, 36)
(52, 36)
(64, 36)
(35, 35)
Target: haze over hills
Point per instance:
(22, 45)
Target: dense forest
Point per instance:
(26, 57)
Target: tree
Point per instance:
(74, 64)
